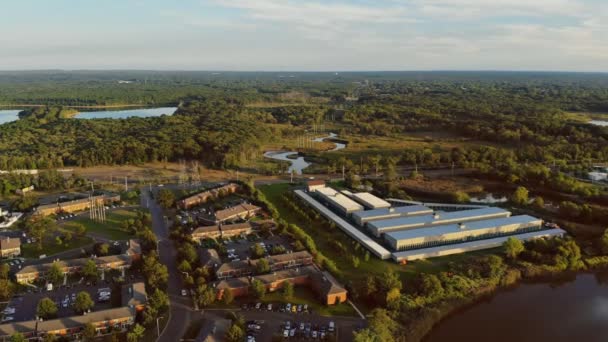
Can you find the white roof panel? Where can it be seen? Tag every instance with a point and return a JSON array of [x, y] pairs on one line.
[[371, 201], [427, 220]]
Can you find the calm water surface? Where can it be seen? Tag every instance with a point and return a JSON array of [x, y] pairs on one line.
[[9, 115], [599, 122], [575, 310], [127, 113], [298, 164]]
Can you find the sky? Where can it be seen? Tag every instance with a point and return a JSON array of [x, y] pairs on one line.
[[303, 35]]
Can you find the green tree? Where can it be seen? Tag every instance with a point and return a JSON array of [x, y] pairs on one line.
[[17, 337], [235, 333], [46, 308], [227, 297], [184, 266], [79, 229], [355, 260], [539, 202], [102, 249], [460, 197], [188, 252], [513, 247], [89, 270], [5, 289], [520, 196], [604, 242], [206, 295], [257, 251], [366, 335], [262, 266], [55, 273], [288, 290], [159, 300], [89, 332], [165, 198], [83, 302], [382, 324], [258, 288]]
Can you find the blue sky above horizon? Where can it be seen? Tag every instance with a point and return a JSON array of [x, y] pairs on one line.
[[302, 35]]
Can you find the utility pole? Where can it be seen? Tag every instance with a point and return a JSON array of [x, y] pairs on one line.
[[291, 181], [126, 187], [343, 177]]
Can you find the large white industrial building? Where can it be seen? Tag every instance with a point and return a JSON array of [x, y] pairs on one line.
[[415, 230], [438, 218], [362, 217], [457, 233], [339, 201]]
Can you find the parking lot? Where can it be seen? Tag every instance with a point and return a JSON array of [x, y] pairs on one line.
[[302, 326], [241, 248], [25, 304]]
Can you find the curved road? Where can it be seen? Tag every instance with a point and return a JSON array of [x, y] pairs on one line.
[[181, 311]]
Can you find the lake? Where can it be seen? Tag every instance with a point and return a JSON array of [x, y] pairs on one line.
[[573, 310], [12, 114], [126, 113], [9, 115]]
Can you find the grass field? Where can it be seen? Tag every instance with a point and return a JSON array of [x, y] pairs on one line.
[[50, 247], [374, 266], [110, 229]]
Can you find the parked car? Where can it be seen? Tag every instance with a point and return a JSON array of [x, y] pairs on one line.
[[184, 292], [258, 306], [269, 307], [332, 326]]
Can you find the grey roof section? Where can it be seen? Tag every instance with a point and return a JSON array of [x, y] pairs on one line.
[[407, 210], [370, 201], [468, 226], [444, 218], [349, 229], [433, 252], [339, 200], [441, 205]]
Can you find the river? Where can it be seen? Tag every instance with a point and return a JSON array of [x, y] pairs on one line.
[[599, 122], [574, 310], [13, 114], [298, 164]]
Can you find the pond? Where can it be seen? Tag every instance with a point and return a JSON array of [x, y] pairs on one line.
[[298, 164], [126, 113], [572, 310], [599, 122]]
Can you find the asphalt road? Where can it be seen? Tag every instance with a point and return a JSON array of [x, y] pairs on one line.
[[181, 311]]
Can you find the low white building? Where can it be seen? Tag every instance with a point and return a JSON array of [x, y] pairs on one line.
[[339, 201]]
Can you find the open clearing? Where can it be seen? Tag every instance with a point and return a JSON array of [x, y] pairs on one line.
[[110, 229]]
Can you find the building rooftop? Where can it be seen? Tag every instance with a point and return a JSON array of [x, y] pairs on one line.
[[9, 243], [236, 226], [235, 210], [232, 283], [234, 266], [431, 252], [76, 263], [348, 228], [206, 229], [209, 257], [340, 200], [286, 274], [370, 200], [315, 182], [427, 220], [80, 320], [134, 295], [455, 228], [9, 329], [407, 210]]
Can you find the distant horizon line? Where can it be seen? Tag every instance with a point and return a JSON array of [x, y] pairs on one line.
[[307, 71]]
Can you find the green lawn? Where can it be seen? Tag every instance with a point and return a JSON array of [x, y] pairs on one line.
[[110, 229], [50, 247], [348, 273]]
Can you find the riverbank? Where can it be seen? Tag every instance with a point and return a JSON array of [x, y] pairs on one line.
[[113, 106]]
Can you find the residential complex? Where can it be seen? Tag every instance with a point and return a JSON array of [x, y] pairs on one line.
[[221, 230], [239, 211], [207, 195], [324, 285], [278, 262], [75, 205]]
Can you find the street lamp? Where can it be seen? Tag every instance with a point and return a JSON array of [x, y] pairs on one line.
[[158, 326]]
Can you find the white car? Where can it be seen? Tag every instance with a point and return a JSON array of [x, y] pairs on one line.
[[8, 319], [184, 292], [286, 333]]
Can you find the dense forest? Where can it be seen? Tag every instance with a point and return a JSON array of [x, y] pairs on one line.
[[225, 118]]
